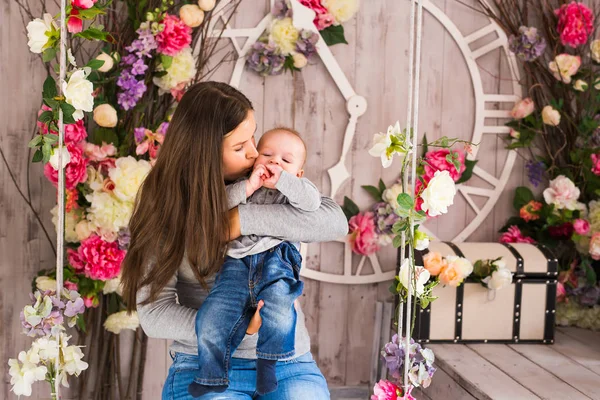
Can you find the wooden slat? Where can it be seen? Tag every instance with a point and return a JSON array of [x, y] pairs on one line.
[[477, 375], [582, 353], [527, 373], [589, 338], [443, 387], [562, 367]]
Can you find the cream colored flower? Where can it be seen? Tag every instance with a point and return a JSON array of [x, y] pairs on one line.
[[580, 85], [191, 15], [284, 35], [595, 49], [108, 62], [439, 194], [66, 157], [461, 264], [44, 283], [499, 279], [300, 60], [113, 286], [105, 116], [37, 33], [116, 322], [128, 175], [182, 69], [421, 275], [390, 195], [73, 360], [71, 220], [562, 193], [522, 108], [564, 67], [108, 213], [206, 5], [78, 93], [84, 229], [550, 116], [342, 10]]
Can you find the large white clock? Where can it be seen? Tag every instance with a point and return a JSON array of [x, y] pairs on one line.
[[488, 107]]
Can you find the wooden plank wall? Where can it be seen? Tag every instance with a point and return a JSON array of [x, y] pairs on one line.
[[340, 318]]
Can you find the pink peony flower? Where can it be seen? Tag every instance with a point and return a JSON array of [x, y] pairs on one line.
[[75, 260], [84, 4], [575, 23], [362, 234], [323, 18], [75, 172], [175, 36], [514, 235], [436, 161], [102, 259], [561, 292], [386, 390], [522, 108], [596, 164], [581, 226], [71, 285], [74, 133], [74, 23], [529, 212]]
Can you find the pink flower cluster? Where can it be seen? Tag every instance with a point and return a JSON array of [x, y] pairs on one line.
[[323, 19], [436, 161], [75, 172], [596, 164], [74, 133], [386, 390], [174, 37], [363, 237], [97, 259], [514, 235], [575, 23]]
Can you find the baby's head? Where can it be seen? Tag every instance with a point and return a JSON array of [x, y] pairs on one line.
[[284, 147]]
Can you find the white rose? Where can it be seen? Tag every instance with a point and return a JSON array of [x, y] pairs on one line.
[[580, 85], [550, 116], [66, 157], [113, 286], [595, 48], [499, 279], [108, 62], [106, 116], [128, 175], [563, 193], [78, 93], [462, 264], [341, 10], [500, 264], [300, 60], [564, 67], [36, 33], [116, 322], [206, 5], [390, 195], [44, 283], [422, 276], [191, 15], [439, 194]]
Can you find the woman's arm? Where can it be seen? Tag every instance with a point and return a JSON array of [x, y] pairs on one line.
[[286, 222], [164, 318]]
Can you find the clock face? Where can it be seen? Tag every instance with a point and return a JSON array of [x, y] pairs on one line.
[[488, 104]]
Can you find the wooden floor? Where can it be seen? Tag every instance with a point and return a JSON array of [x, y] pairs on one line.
[[567, 370]]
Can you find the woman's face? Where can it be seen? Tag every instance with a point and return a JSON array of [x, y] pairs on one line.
[[239, 149]]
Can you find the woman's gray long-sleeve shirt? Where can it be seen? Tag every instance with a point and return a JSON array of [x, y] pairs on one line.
[[173, 314]]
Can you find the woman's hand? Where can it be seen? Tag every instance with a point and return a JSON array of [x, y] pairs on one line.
[[235, 229], [256, 320]]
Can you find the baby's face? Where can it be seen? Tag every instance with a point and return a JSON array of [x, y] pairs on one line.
[[284, 149]]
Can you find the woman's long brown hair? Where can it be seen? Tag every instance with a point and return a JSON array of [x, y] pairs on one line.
[[181, 207]]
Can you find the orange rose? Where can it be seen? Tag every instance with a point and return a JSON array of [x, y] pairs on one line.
[[434, 263], [451, 275]]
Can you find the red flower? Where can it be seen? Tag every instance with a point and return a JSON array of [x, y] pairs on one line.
[[514, 235], [74, 24], [174, 37], [75, 172], [83, 4], [564, 231], [575, 23]]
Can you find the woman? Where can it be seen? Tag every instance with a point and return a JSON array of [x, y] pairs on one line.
[[179, 231]]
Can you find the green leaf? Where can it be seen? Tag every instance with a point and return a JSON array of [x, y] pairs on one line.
[[46, 152], [350, 208], [95, 64], [381, 186], [453, 158], [96, 34], [49, 90], [405, 202], [49, 54], [81, 322], [68, 111], [50, 138], [397, 242], [166, 61], [159, 74], [523, 195], [37, 156], [374, 192], [105, 135], [333, 35], [46, 116], [425, 145], [35, 142], [90, 13], [53, 104], [468, 173]]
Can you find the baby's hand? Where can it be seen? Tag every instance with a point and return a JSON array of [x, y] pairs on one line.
[[256, 179], [274, 171]]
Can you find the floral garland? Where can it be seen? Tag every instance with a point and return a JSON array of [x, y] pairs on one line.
[[105, 162], [282, 47]]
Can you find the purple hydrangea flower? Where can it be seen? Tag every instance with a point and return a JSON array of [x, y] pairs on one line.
[[529, 45], [124, 237], [589, 296], [385, 218], [306, 43], [535, 172], [265, 60], [281, 9], [421, 361], [138, 67]]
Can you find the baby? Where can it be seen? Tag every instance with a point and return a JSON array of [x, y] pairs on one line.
[[257, 268]]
